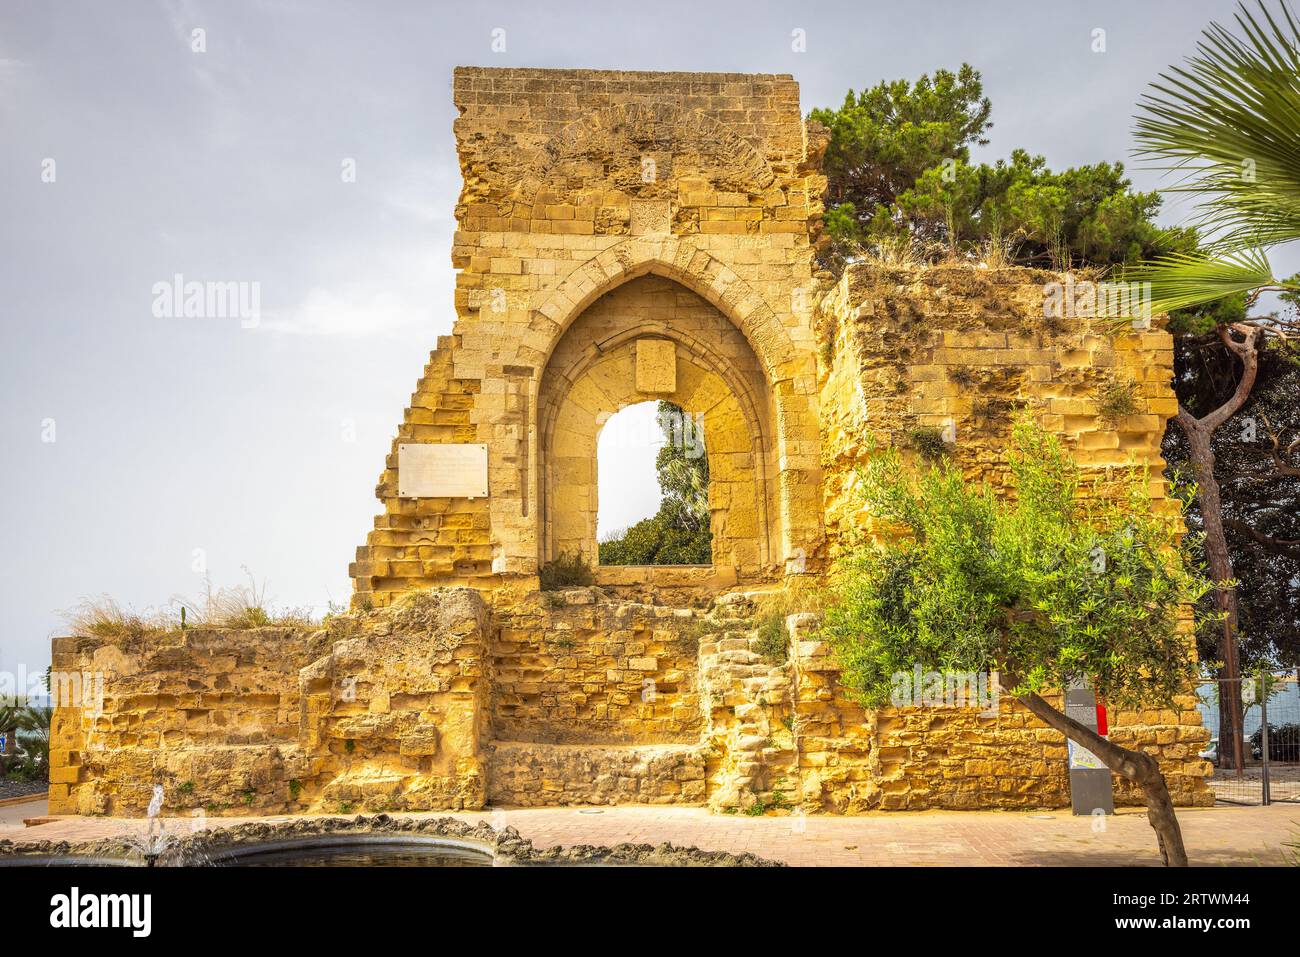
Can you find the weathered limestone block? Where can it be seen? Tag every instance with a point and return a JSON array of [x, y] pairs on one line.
[[529, 775], [656, 366], [594, 672]]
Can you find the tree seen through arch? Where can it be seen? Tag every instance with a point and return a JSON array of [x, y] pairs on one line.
[[679, 533]]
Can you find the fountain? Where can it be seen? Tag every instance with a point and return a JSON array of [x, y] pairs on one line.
[[364, 840], [154, 842]]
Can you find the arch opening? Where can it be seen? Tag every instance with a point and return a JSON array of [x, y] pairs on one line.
[[707, 368], [652, 474]]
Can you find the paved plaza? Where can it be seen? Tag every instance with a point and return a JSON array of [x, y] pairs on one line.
[[1238, 836]]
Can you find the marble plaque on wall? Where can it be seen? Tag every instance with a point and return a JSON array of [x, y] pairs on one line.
[[442, 471]]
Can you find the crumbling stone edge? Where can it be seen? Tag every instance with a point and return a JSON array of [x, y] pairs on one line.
[[507, 846]]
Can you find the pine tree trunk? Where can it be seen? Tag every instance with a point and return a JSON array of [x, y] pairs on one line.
[[1200, 438], [1219, 564]]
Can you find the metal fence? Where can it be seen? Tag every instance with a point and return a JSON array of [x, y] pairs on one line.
[[1269, 770]]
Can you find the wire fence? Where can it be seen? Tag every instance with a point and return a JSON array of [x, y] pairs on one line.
[[1266, 768]]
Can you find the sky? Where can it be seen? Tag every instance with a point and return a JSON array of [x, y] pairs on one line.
[[145, 451]]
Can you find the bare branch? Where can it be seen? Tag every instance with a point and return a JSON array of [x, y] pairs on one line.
[[1248, 353], [1280, 463], [1282, 546]]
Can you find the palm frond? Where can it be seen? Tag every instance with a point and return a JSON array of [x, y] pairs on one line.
[[1180, 280], [1229, 122]]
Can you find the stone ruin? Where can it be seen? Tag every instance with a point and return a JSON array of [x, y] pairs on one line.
[[623, 237]]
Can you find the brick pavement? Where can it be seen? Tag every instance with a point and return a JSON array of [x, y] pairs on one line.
[[1214, 836]]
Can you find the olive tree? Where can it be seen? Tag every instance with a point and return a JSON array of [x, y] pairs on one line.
[[1057, 581]]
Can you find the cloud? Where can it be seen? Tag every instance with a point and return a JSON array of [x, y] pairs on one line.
[[351, 314], [390, 288]]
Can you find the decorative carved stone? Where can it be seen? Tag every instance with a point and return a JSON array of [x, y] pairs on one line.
[[651, 217]]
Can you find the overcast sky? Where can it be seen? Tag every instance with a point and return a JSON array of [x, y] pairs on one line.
[[175, 440]]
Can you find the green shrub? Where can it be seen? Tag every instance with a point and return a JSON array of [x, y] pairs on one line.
[[1042, 585], [773, 642], [1117, 398], [928, 441]]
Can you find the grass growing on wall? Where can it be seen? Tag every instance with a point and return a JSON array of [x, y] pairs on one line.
[[566, 571]]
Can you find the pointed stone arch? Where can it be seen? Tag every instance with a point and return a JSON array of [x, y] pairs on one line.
[[741, 394], [696, 269], [788, 369]]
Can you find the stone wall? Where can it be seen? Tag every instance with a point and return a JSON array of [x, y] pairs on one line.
[[213, 712], [961, 350], [530, 775], [787, 735], [427, 539], [567, 697], [594, 671], [381, 711]]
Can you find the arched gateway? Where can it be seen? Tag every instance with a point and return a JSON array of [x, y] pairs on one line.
[[596, 219]]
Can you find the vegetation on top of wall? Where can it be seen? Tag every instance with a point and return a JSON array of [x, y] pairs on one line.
[[241, 606], [237, 606], [680, 532], [1042, 587], [104, 617], [566, 570]]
